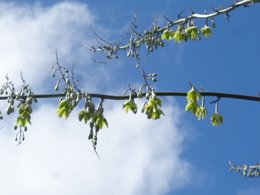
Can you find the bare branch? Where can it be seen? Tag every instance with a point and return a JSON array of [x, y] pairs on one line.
[[145, 37]]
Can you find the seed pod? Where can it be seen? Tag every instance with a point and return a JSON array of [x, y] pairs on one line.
[[79, 96], [73, 96], [90, 136], [129, 53], [154, 79], [67, 81], [9, 110], [139, 94], [15, 127], [29, 100], [56, 88], [147, 95]]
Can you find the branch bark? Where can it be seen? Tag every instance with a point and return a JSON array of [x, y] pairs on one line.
[[162, 94]]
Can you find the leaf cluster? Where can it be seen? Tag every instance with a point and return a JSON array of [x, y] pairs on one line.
[[182, 33], [200, 111], [94, 117], [152, 107], [246, 170]]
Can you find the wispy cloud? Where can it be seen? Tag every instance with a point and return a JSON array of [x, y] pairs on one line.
[[139, 156], [30, 34]]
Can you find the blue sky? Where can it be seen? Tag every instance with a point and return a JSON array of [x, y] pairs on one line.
[[176, 155]]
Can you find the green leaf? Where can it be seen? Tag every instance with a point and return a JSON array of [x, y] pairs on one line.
[[179, 36], [216, 119], [157, 114], [151, 108], [192, 32], [193, 95], [130, 105], [62, 103], [64, 109], [81, 115], [168, 35], [192, 107], [206, 31], [201, 112]]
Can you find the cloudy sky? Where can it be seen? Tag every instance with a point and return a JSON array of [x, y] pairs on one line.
[[174, 155]]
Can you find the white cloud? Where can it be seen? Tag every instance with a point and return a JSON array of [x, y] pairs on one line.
[[30, 34], [139, 156]]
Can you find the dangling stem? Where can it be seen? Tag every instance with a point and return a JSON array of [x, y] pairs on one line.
[[216, 107], [202, 102]]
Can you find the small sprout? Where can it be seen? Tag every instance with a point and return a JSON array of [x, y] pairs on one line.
[[15, 127], [193, 95], [29, 99], [139, 94], [192, 107], [179, 36], [130, 105], [154, 79], [152, 107], [56, 88], [84, 115], [167, 35], [10, 109], [206, 31], [216, 119], [147, 95], [64, 108], [201, 112], [192, 32]]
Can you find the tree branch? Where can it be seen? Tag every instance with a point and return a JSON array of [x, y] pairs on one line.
[[162, 94], [142, 38]]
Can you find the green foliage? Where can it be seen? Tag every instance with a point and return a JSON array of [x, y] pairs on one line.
[[184, 29], [95, 118], [193, 97], [192, 32], [188, 32], [206, 31], [168, 35], [24, 117], [70, 101], [64, 108], [130, 105], [192, 107], [216, 119], [152, 107], [201, 112]]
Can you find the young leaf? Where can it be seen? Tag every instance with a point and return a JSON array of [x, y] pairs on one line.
[[206, 31]]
